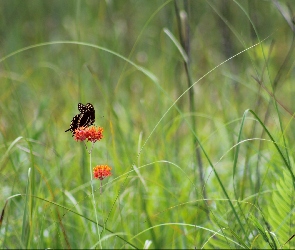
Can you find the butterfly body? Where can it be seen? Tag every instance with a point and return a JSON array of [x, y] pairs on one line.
[[85, 119]]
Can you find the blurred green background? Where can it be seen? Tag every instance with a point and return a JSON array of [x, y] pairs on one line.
[[171, 82]]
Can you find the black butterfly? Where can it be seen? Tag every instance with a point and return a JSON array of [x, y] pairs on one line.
[[85, 119]]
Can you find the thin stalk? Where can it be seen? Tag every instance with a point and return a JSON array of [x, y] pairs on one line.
[[93, 201], [184, 34]]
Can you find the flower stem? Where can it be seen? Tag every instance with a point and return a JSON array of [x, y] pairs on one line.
[[94, 202]]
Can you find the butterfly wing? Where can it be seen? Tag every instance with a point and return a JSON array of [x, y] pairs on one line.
[[82, 108], [74, 123], [85, 119], [90, 113]]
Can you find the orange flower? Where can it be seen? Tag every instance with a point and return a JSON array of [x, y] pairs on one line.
[[80, 134], [101, 171], [92, 134]]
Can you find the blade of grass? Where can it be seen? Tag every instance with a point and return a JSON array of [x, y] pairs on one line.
[[72, 211], [275, 144], [26, 215]]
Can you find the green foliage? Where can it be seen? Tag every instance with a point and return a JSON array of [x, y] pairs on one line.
[[196, 102], [281, 213]]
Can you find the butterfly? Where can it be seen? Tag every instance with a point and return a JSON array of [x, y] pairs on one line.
[[85, 119]]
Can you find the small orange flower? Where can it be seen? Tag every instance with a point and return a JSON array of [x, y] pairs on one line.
[[80, 134], [92, 134], [101, 171]]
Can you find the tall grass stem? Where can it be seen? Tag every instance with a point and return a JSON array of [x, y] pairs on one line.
[[93, 199]]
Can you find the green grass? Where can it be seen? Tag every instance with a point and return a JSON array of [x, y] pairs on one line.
[[196, 102]]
